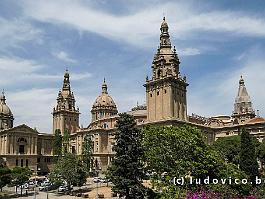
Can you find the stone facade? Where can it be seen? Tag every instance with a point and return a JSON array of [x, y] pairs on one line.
[[24, 146], [166, 104]]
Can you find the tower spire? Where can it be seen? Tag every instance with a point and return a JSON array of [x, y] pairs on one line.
[[243, 106], [104, 87], [3, 98], [66, 83], [164, 36]]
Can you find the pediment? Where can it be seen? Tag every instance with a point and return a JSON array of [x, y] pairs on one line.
[[23, 128]]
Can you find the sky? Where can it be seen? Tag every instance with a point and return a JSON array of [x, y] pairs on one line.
[[217, 42]]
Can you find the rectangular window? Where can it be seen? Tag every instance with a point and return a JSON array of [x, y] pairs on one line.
[[16, 162], [21, 149], [21, 163], [27, 162], [73, 149], [38, 160]]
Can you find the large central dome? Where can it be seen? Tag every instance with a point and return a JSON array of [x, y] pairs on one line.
[[104, 106]]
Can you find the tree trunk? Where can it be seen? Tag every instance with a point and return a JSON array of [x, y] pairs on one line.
[[16, 189], [21, 190]]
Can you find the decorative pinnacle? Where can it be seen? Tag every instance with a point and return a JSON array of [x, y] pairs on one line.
[[104, 87], [3, 98], [241, 81], [66, 74]]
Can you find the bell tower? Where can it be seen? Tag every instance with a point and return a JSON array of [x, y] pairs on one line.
[[65, 114], [166, 90]]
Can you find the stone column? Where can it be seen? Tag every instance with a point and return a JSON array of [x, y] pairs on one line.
[[1, 145], [108, 161], [99, 143], [36, 143], [15, 144], [11, 144], [32, 145], [7, 144], [28, 145], [42, 146]]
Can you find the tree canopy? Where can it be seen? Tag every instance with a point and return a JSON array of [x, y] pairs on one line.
[[87, 152], [70, 169], [126, 171], [181, 152], [20, 175], [5, 177], [248, 158], [229, 148], [57, 143]]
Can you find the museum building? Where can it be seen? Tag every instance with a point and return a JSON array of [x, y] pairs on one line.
[[166, 104]]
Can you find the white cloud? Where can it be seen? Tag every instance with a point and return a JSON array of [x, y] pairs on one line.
[[189, 51], [138, 28], [64, 57], [16, 70], [16, 31], [33, 107]]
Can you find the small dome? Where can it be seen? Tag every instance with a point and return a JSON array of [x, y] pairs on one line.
[[164, 23], [4, 109], [104, 100]]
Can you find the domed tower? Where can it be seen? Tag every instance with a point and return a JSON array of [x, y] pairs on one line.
[[6, 116], [65, 114], [104, 106], [166, 90]]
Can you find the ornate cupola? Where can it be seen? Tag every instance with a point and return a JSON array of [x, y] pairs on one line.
[[6, 116], [65, 113], [104, 106], [166, 90], [243, 109]]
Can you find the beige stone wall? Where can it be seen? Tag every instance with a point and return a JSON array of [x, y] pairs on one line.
[[65, 120], [35, 147], [166, 100]]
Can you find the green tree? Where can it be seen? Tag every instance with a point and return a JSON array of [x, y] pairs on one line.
[[248, 158], [261, 154], [20, 175], [66, 141], [87, 152], [70, 169], [182, 152], [229, 148], [126, 170], [57, 143], [5, 177]]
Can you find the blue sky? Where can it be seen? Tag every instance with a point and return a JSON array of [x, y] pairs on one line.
[[217, 41]]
